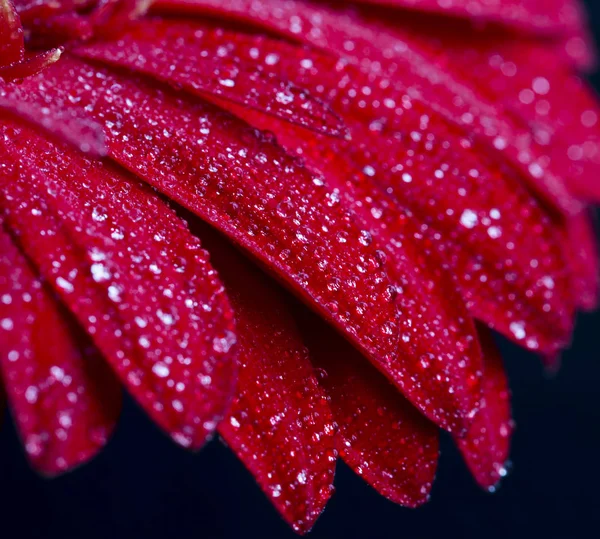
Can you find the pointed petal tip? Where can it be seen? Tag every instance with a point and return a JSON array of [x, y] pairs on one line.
[[552, 364], [192, 443], [486, 446], [302, 522], [302, 515], [52, 466], [412, 500], [492, 481], [43, 357]]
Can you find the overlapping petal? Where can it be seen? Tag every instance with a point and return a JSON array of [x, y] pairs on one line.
[[133, 276], [381, 435], [486, 446], [12, 47], [526, 81], [401, 64], [63, 397], [470, 208], [401, 175], [433, 325], [418, 289], [407, 266], [279, 424], [251, 190], [545, 16]]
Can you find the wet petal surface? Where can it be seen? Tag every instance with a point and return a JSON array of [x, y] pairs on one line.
[[245, 185], [64, 399], [486, 445], [531, 15], [279, 424], [133, 276], [471, 211], [436, 328], [204, 60], [381, 435], [387, 51], [11, 35], [544, 95]]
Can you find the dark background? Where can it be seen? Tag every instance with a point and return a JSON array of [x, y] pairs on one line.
[[143, 486]]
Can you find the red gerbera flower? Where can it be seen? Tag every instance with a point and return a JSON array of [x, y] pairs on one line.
[[402, 174]]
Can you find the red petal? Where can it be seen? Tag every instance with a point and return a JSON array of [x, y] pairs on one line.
[[64, 400], [30, 10], [381, 436], [203, 61], [472, 210], [268, 53], [448, 389], [428, 304], [61, 22], [395, 59], [582, 245], [486, 446], [2, 402], [527, 82], [118, 13], [546, 16], [449, 409], [65, 20], [578, 47], [279, 424], [133, 276], [533, 15], [71, 125], [12, 47], [60, 29], [243, 184]]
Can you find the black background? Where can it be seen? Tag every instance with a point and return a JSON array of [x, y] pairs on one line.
[[143, 486]]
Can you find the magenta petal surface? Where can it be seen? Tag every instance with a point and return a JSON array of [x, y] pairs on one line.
[[64, 399], [382, 437], [416, 172], [473, 207], [11, 35], [448, 391], [527, 82], [279, 424], [545, 16], [245, 185], [203, 60], [396, 60], [486, 446], [132, 274]]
